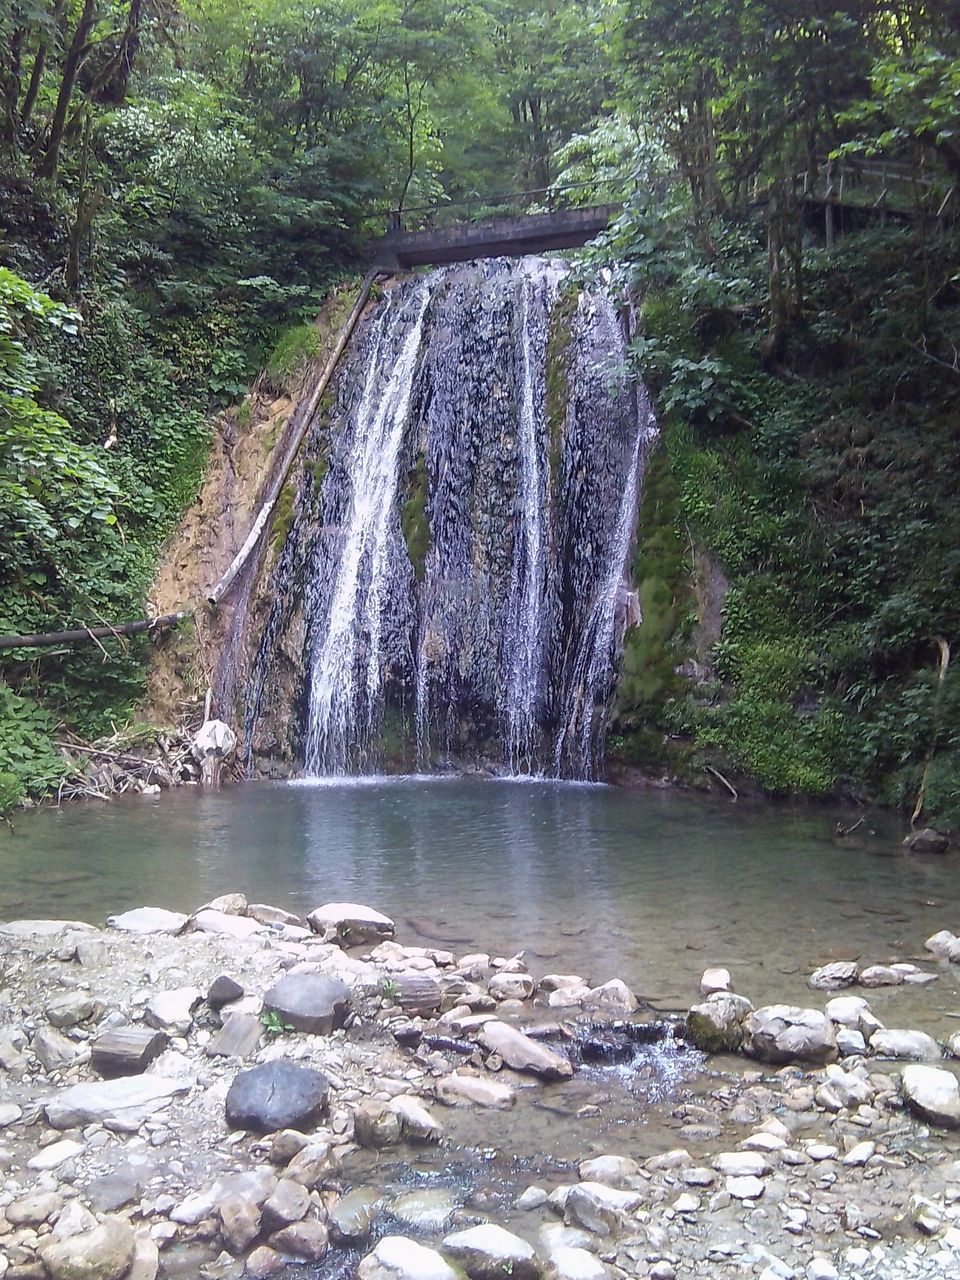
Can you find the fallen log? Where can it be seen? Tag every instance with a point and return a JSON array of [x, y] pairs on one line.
[[82, 635]]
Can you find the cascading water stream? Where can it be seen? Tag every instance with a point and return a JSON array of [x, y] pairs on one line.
[[339, 702], [454, 586]]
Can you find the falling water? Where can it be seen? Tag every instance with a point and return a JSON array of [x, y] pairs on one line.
[[454, 587]]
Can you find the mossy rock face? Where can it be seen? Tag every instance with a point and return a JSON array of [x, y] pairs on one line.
[[717, 1025], [557, 393], [413, 519]]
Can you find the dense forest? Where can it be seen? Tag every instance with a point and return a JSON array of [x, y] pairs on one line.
[[182, 182]]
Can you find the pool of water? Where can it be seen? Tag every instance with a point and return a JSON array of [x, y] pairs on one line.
[[651, 886]]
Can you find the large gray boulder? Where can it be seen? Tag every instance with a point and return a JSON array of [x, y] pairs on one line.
[[397, 1258], [122, 1105], [105, 1253], [276, 1095], [893, 1042], [933, 1093], [788, 1033], [149, 920], [716, 1024], [311, 1002], [522, 1053]]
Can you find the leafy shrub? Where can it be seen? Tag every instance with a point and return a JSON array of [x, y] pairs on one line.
[[290, 359]]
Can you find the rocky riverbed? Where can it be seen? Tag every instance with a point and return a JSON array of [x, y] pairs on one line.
[[239, 1091]]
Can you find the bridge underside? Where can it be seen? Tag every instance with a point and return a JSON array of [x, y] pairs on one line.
[[507, 237]]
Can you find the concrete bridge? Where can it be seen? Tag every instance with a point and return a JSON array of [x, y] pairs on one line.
[[508, 237]]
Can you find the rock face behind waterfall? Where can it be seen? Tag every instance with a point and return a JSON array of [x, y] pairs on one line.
[[452, 586]]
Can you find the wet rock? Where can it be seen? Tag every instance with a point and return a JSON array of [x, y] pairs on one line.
[[308, 1240], [598, 1208], [350, 923], [717, 1025], [263, 913], [172, 1011], [417, 1124], [854, 1012], [459, 1090], [523, 1054], [276, 1095], [714, 980], [830, 977], [105, 1253], [222, 990], [614, 998], [148, 920], [788, 1033], [511, 986], [311, 1002], [397, 1258], [70, 1010], [263, 1262], [289, 1203], [54, 1051], [239, 1223], [895, 1043], [376, 1125], [934, 1093], [209, 920], [429, 1209], [942, 943], [122, 1105], [351, 1217], [927, 841], [488, 1252]]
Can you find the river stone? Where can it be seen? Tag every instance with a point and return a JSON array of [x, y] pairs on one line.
[[308, 1240], [311, 1002], [427, 1209], [567, 1262], [882, 975], [511, 986], [598, 1208], [351, 1217], [56, 1154], [714, 980], [71, 1009], [42, 928], [842, 973], [276, 1095], [489, 1252], [10, 1113], [31, 1211], [172, 1011], [263, 1262], [614, 1171], [263, 913], [376, 1125], [311, 1164], [788, 1033], [927, 841], [853, 1012], [223, 990], [228, 904], [523, 1054], [54, 1050], [613, 998], [105, 1253], [741, 1164], [289, 1203], [416, 1121], [397, 1258], [941, 943], [350, 923], [459, 1090], [745, 1188], [209, 920], [894, 1043], [149, 920], [934, 1093], [716, 1025], [122, 1105], [239, 1223]]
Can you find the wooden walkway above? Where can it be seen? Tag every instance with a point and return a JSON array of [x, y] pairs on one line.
[[507, 237]]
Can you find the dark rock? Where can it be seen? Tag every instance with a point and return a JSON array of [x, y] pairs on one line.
[[126, 1051], [927, 841], [417, 994], [276, 1095], [311, 1002], [223, 990]]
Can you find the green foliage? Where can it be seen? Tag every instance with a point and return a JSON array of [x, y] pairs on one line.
[[274, 1025], [288, 362], [29, 764]]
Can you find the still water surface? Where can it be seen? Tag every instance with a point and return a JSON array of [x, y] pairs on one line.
[[647, 885]]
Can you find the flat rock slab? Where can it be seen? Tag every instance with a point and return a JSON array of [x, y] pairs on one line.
[[149, 920], [276, 1095], [126, 1051], [397, 1258], [210, 920], [311, 1002], [523, 1054], [489, 1252], [239, 1037], [42, 928], [350, 923], [122, 1105], [934, 1093]]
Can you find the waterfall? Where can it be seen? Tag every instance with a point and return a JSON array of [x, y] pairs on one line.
[[454, 586]]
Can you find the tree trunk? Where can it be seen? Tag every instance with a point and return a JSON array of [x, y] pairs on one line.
[[71, 67]]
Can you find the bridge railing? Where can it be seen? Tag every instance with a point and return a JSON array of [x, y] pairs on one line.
[[513, 203]]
